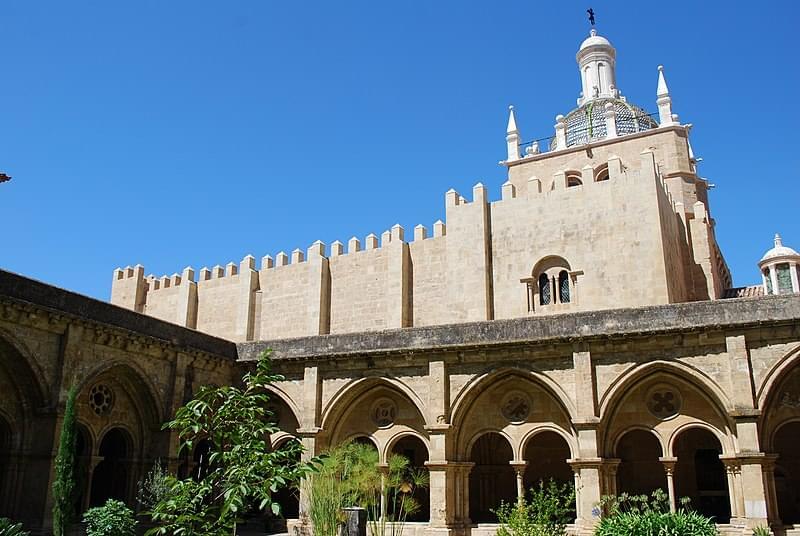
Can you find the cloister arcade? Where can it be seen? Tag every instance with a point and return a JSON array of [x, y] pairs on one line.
[[662, 426]]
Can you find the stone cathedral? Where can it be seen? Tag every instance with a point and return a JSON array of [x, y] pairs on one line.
[[576, 322]]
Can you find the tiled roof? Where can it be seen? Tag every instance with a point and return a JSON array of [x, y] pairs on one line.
[[753, 291]]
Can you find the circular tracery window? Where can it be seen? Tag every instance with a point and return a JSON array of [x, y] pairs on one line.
[[384, 412], [664, 401], [101, 399], [516, 407]]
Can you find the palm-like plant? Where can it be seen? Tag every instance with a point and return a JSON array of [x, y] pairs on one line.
[[9, 528]]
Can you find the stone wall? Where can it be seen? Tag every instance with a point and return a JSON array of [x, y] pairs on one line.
[[614, 212]]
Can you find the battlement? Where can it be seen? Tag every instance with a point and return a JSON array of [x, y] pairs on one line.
[[571, 205]]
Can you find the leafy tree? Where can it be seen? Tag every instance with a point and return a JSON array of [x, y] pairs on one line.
[[111, 519], [9, 528], [64, 483], [243, 472], [547, 511]]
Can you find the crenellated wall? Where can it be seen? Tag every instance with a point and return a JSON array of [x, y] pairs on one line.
[[627, 217]]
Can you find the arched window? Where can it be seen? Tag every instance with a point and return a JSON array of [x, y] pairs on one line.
[[554, 280], [784, 279], [573, 179], [544, 290], [601, 174], [768, 279], [563, 286]]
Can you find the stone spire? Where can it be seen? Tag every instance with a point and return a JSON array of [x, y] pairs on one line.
[[597, 62], [512, 136], [664, 101]]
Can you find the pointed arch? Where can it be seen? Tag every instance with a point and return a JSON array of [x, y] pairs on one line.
[[354, 389], [767, 391], [150, 406], [284, 397], [724, 441], [475, 387], [705, 385], [28, 375], [531, 436]]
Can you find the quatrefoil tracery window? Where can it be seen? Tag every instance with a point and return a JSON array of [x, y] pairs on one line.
[[664, 401]]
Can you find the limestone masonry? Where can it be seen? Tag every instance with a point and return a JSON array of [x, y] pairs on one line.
[[622, 222], [581, 328]]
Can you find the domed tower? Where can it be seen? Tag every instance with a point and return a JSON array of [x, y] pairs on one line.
[[779, 269], [602, 111], [613, 202]]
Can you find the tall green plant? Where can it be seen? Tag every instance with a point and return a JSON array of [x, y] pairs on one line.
[[350, 476], [64, 483], [243, 472], [396, 502], [546, 511], [154, 487]]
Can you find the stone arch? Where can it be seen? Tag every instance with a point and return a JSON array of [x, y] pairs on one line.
[[133, 374], [721, 437], [393, 440], [639, 451], [775, 377], [376, 408], [546, 454], [700, 474], [568, 439], [480, 405], [284, 397], [414, 447], [783, 443], [633, 375], [358, 387], [29, 377], [492, 479], [285, 412], [779, 401], [112, 477], [628, 402]]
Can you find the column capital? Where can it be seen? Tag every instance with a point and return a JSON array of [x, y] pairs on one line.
[[443, 465], [585, 463], [519, 466], [309, 432], [669, 463]]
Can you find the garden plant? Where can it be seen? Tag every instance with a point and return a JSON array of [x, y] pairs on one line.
[[644, 515], [546, 511], [111, 519], [243, 471]]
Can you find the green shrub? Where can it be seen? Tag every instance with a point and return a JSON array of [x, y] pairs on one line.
[[761, 531], [650, 516], [111, 519], [9, 528], [546, 511], [154, 487], [64, 484]]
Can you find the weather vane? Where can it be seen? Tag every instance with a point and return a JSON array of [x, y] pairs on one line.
[[590, 11]]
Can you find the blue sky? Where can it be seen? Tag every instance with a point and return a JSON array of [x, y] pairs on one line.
[[193, 133]]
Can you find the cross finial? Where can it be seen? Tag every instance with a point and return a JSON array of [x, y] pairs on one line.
[[590, 11]]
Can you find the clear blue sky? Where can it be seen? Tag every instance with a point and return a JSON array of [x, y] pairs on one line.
[[175, 133]]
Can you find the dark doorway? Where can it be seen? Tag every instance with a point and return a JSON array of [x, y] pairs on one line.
[[289, 496], [415, 451], [640, 472], [492, 479], [700, 475], [787, 472], [110, 480], [5, 451]]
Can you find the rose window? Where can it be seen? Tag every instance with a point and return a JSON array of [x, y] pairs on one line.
[[101, 399]]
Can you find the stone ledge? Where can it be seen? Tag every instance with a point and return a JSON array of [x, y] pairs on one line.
[[572, 327], [24, 290]]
